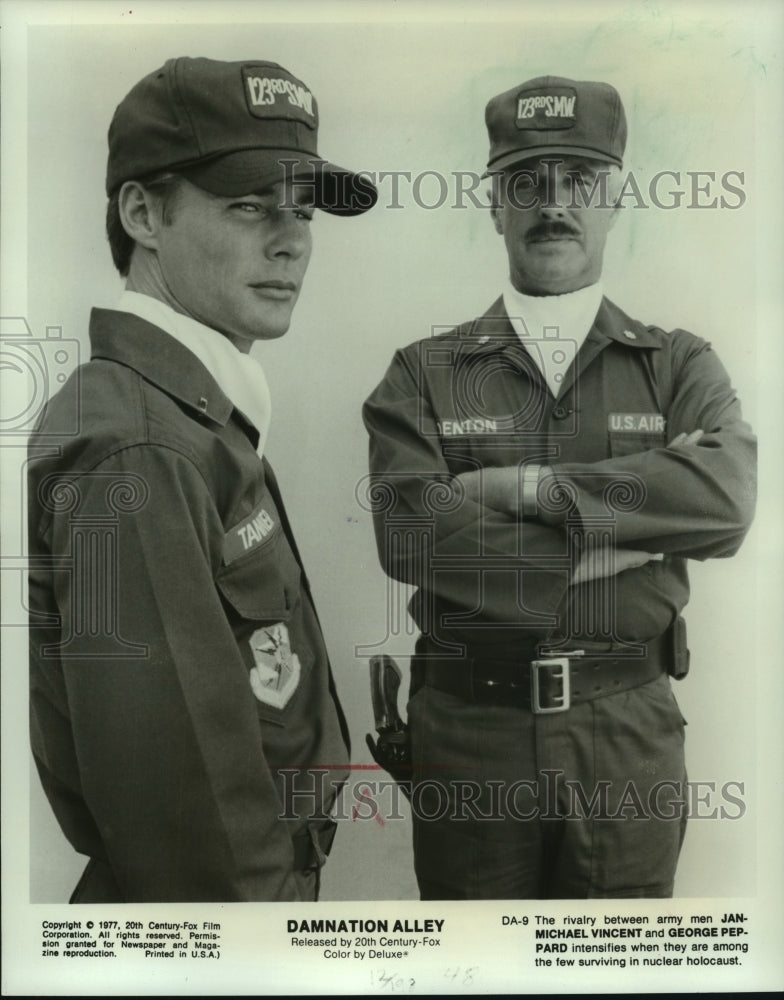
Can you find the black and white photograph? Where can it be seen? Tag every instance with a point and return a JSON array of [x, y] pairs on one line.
[[392, 552]]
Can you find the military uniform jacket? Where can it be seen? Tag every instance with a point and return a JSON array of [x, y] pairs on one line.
[[179, 677], [473, 398]]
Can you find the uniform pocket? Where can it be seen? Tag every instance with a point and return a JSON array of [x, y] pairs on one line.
[[630, 442], [660, 693], [264, 584], [262, 590]]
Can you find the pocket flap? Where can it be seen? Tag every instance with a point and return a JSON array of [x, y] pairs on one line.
[[631, 442], [264, 585]]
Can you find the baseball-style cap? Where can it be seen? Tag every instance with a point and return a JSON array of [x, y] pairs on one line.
[[231, 128], [551, 114]]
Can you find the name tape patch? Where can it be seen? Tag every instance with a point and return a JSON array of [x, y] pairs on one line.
[[636, 422], [277, 97], [550, 108], [248, 534], [477, 425]]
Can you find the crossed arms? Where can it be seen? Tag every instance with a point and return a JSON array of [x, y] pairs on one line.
[[697, 502]]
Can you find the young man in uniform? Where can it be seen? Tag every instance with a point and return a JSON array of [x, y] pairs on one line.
[[550, 467], [178, 672]]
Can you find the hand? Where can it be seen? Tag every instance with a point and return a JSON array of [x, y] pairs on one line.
[[472, 483], [602, 563], [500, 488], [684, 439], [497, 487], [400, 769]]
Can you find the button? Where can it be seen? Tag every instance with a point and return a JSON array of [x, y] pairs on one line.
[[630, 334], [203, 403], [560, 412]]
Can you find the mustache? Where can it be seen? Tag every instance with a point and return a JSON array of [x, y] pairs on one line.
[[547, 229]]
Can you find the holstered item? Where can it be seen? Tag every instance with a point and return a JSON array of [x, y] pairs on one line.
[[392, 749], [679, 660]]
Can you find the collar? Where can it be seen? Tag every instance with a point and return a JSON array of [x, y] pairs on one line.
[[493, 331], [239, 375], [160, 359], [553, 328], [571, 314], [612, 323]]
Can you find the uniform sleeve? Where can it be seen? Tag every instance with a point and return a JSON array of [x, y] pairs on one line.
[[697, 501], [168, 742], [428, 534]]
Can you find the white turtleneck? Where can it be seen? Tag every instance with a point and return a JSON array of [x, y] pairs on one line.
[[552, 328], [239, 376]]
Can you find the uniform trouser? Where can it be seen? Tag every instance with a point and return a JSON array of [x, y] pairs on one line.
[[97, 884], [590, 802]]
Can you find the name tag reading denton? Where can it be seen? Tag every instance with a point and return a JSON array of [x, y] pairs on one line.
[[636, 422], [247, 535]]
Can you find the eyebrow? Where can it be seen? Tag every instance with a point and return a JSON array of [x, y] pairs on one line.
[[266, 192], [270, 193]]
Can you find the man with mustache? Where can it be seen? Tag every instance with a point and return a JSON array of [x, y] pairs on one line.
[[179, 678], [547, 470]]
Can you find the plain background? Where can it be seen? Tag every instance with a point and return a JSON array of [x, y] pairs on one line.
[[411, 97]]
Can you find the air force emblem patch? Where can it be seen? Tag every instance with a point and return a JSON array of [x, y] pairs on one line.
[[276, 673]]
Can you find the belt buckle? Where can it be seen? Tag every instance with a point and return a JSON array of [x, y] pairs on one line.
[[558, 668]]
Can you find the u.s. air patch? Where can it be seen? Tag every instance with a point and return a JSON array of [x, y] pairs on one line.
[[637, 423], [276, 673]]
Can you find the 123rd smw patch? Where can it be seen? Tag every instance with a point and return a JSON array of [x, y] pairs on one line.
[[276, 673]]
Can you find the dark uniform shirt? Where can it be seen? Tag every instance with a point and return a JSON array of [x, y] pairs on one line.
[[177, 665], [473, 398]]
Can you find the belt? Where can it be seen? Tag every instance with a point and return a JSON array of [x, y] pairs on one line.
[[312, 845], [544, 685]]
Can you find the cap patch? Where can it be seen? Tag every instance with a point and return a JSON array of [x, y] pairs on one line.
[[277, 97], [546, 108]]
